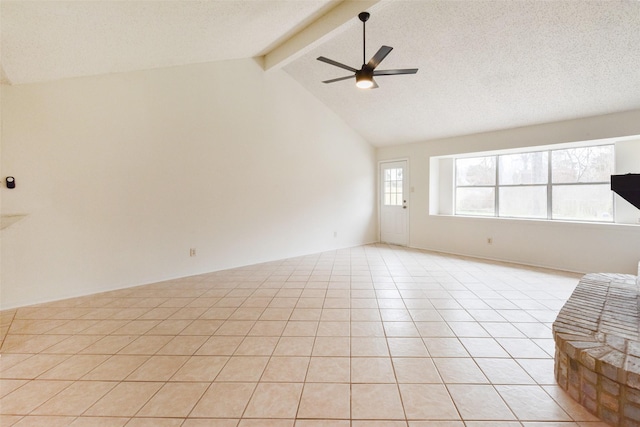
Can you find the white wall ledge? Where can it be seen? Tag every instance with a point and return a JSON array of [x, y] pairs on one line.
[[10, 219], [541, 222]]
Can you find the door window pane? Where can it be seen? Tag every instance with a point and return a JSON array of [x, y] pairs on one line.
[[582, 202], [393, 187], [476, 171], [523, 202], [584, 164], [475, 201], [524, 168]]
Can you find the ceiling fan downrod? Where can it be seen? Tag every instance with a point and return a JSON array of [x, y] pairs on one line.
[[364, 17]]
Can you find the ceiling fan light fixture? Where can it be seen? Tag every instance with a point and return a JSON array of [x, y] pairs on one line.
[[364, 79], [364, 82]]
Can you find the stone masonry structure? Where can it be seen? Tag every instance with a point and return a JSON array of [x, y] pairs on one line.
[[597, 336]]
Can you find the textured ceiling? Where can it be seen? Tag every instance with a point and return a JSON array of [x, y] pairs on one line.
[[50, 40], [484, 65]]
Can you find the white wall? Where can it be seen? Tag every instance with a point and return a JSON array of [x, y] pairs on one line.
[[577, 247], [120, 175]]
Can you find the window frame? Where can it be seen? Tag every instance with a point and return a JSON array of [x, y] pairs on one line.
[[549, 185]]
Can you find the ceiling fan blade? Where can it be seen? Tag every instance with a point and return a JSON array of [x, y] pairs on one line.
[[395, 72], [338, 79], [379, 56], [337, 64]]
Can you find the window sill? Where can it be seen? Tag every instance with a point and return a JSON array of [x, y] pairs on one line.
[[540, 222]]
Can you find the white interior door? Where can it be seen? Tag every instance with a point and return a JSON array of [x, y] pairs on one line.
[[394, 224]]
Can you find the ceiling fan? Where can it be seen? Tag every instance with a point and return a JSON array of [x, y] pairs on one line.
[[364, 76]]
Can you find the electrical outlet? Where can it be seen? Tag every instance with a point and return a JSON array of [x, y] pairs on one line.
[[335, 234], [192, 252], [489, 240]]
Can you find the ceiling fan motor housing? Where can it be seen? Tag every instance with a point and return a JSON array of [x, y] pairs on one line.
[[365, 72]]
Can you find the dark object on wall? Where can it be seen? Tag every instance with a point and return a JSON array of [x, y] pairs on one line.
[[628, 187], [11, 182]]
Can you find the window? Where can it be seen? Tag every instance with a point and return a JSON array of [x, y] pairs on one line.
[[566, 184], [581, 183], [476, 180], [523, 185]]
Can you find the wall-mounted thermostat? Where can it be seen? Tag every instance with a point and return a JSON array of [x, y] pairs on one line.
[[11, 182]]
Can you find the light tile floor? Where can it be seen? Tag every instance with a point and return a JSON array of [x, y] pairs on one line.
[[364, 337]]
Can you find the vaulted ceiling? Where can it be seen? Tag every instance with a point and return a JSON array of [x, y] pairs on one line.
[[483, 65]]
